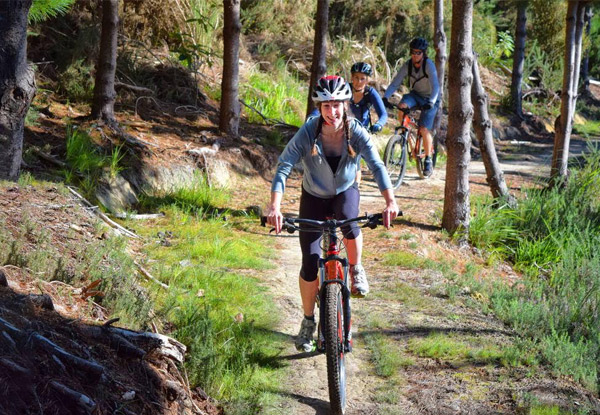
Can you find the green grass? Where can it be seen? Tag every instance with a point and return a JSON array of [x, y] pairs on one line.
[[222, 314], [552, 236], [277, 95], [88, 163], [386, 357], [590, 129], [408, 260], [475, 350], [198, 198]]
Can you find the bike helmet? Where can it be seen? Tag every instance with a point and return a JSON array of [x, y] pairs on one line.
[[362, 67], [331, 88], [419, 43]]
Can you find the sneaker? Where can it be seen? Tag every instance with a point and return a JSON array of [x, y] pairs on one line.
[[304, 341], [360, 285], [428, 167]]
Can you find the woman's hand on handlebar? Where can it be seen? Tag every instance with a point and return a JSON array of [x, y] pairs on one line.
[[391, 208], [275, 218], [389, 213]]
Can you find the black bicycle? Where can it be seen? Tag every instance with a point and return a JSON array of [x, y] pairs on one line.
[[334, 329], [406, 144]]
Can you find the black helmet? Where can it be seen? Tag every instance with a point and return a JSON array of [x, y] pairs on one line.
[[331, 88], [362, 67], [419, 43]]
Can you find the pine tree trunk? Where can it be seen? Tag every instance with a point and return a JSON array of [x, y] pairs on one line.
[[519, 57], [103, 105], [483, 129], [319, 64], [456, 214], [229, 121], [585, 74], [439, 39], [17, 84], [572, 61]]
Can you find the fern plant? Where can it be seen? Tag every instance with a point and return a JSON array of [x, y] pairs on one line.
[[45, 9]]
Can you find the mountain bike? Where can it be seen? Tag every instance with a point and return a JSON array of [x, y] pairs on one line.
[[406, 143], [333, 299]]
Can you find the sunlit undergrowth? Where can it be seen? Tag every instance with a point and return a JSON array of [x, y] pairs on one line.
[[553, 237], [276, 94], [221, 313]]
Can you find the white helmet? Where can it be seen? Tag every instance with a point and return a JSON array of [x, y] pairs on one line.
[[332, 88]]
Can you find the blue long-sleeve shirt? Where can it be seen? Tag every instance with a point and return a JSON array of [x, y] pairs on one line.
[[425, 86], [362, 110], [319, 179]]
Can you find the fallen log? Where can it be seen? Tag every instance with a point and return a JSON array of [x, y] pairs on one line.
[[134, 88], [139, 216], [78, 399], [90, 368], [120, 344], [105, 218], [154, 343]]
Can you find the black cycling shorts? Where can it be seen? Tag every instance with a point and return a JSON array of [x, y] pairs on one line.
[[341, 206]]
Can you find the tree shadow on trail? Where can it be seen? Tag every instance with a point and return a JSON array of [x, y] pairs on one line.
[[320, 406], [418, 225]]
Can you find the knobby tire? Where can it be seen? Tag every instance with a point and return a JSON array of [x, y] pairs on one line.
[[395, 159], [334, 343], [420, 161]]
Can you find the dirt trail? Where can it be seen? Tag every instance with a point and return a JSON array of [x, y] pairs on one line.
[[408, 304]]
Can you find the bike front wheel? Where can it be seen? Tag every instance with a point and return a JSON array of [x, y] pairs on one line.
[[334, 344], [420, 157], [395, 159]]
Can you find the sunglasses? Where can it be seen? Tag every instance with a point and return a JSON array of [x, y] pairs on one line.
[[416, 52]]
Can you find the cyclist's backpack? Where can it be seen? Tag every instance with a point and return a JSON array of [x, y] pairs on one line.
[[410, 67]]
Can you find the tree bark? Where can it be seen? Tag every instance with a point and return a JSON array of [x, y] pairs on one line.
[[17, 84], [319, 63], [483, 129], [103, 105], [519, 57], [229, 121], [585, 74], [572, 61], [439, 39], [456, 214]]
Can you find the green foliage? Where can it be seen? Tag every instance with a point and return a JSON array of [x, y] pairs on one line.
[[548, 27], [76, 82], [594, 45], [224, 317], [503, 49], [385, 355], [278, 95], [281, 18], [197, 198], [45, 9], [88, 162], [553, 236]]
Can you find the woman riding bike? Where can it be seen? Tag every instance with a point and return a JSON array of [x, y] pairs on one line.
[[330, 147], [424, 92]]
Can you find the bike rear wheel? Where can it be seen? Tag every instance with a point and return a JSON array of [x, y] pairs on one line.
[[334, 344], [395, 159]]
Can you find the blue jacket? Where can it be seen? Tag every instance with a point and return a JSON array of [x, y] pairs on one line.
[[318, 179], [362, 110]]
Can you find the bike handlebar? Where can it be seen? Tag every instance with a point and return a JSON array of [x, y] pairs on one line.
[[291, 224]]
